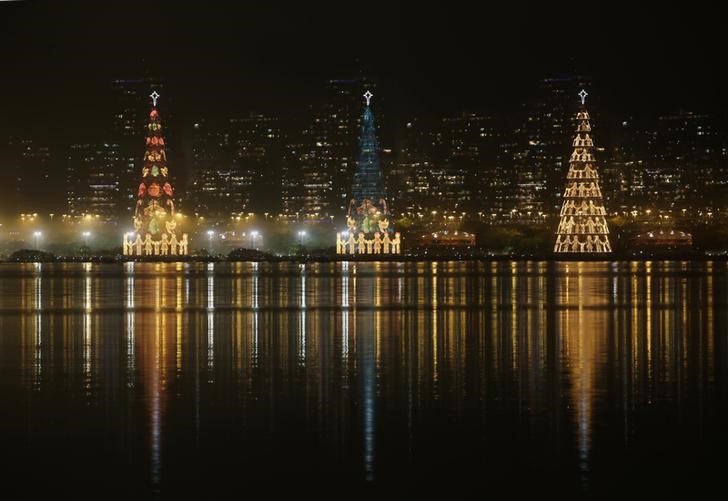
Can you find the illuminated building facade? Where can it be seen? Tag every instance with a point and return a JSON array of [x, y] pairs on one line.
[[209, 193], [28, 170], [256, 145], [93, 181], [292, 187], [408, 178], [472, 173], [687, 165]]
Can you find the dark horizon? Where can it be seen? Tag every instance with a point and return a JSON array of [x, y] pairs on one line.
[[226, 60]]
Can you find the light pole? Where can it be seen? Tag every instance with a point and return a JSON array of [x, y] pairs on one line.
[[301, 235], [36, 237], [254, 237], [86, 235]]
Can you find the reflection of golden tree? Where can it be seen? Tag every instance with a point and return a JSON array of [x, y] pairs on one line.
[[584, 334], [156, 337]]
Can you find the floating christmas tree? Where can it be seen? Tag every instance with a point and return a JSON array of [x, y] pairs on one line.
[[367, 218], [367, 206], [154, 212], [583, 227]]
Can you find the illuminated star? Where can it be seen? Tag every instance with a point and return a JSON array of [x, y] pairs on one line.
[[154, 95], [368, 96], [583, 95]]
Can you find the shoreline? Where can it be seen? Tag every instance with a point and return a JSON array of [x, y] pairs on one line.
[[401, 258]]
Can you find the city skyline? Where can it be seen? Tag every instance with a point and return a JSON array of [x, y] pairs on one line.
[[272, 59], [460, 145], [381, 248], [493, 157]]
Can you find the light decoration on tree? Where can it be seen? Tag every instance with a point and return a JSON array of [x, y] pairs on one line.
[[367, 218], [583, 227], [155, 228], [583, 95]]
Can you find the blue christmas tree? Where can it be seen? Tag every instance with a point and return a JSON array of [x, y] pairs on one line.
[[368, 211]]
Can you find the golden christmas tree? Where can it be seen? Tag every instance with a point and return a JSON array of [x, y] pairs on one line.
[[583, 227]]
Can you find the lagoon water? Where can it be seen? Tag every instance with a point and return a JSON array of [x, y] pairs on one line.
[[142, 380]]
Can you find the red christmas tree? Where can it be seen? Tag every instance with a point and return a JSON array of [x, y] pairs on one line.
[[154, 212]]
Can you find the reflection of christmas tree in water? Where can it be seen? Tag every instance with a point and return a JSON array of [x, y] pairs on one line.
[[583, 227], [154, 213], [367, 218]]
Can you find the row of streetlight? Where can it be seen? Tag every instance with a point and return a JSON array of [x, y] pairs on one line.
[[37, 235], [254, 235]]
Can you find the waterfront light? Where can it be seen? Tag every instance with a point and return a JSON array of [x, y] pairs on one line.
[[36, 237], [254, 237]]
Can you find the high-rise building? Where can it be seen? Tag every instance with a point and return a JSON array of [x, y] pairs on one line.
[[209, 192], [686, 167], [473, 171], [237, 167], [542, 161], [327, 163], [408, 179], [293, 194], [623, 170], [29, 172], [256, 146], [92, 181]]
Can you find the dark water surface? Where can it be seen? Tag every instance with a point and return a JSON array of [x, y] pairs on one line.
[[162, 380]]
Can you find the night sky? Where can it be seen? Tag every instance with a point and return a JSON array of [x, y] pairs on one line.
[[223, 59]]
